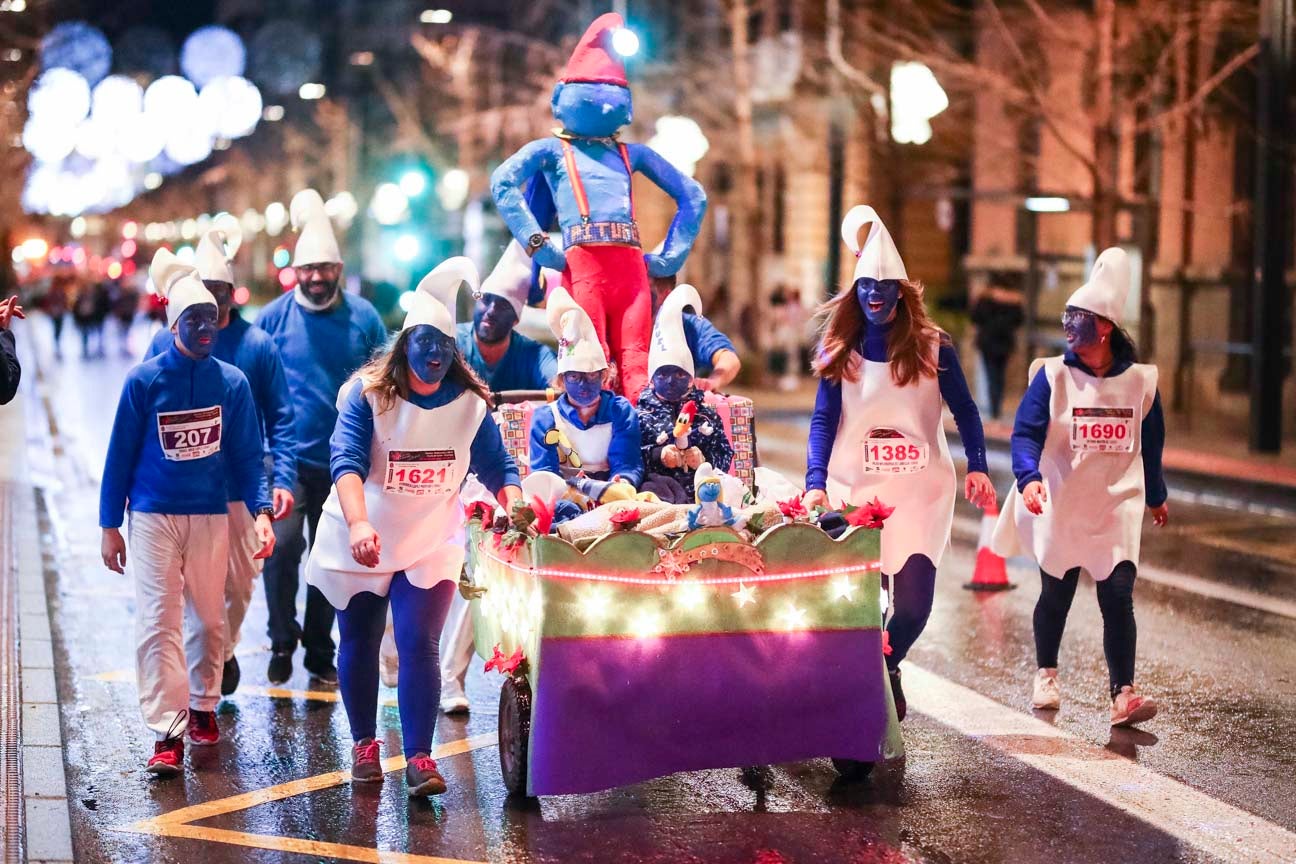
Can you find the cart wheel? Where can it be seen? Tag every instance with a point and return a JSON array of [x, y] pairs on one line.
[[514, 733], [853, 770]]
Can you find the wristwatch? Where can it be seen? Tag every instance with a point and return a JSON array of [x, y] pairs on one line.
[[265, 511], [535, 241]]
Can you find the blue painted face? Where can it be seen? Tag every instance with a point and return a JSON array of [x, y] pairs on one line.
[[878, 298], [493, 319], [223, 292], [583, 388], [1080, 326], [429, 353], [196, 328], [671, 383], [709, 491], [594, 110]]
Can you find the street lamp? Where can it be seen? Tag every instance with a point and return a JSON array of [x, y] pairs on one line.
[[625, 42]]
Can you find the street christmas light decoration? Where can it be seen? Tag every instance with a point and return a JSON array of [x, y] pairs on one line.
[[625, 42], [60, 97], [145, 50], [283, 55], [48, 140], [680, 141], [406, 248], [413, 183], [212, 52], [79, 47], [916, 97], [276, 217], [452, 189], [389, 206], [342, 208], [116, 101], [232, 105]]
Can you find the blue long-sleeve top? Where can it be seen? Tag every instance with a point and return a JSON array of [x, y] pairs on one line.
[[352, 438], [136, 468], [526, 364], [252, 351], [625, 459], [320, 351], [704, 342], [607, 187], [1032, 422], [953, 389]]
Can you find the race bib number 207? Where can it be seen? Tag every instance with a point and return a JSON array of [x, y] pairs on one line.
[[1102, 430], [187, 435]]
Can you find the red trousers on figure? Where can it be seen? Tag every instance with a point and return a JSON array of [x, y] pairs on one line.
[[610, 282]]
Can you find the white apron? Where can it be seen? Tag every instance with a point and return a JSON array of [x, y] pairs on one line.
[[891, 444], [418, 461], [1093, 472], [590, 444]]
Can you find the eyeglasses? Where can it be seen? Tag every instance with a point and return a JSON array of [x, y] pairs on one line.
[[1072, 317], [325, 268]]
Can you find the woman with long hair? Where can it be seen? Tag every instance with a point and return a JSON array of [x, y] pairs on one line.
[[412, 423], [884, 369], [1086, 454]]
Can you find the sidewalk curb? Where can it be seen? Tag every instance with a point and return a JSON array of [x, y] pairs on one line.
[[45, 817]]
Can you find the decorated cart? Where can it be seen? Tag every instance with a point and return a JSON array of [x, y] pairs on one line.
[[631, 656]]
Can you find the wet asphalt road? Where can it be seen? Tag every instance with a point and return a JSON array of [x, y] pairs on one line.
[[996, 785]]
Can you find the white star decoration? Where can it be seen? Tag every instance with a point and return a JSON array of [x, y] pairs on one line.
[[744, 595], [843, 588]]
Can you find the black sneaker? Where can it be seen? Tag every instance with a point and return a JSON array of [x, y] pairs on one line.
[[280, 669], [323, 673], [230, 676], [897, 693]]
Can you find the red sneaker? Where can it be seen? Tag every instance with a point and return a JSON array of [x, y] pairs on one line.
[[422, 776], [203, 730], [167, 759], [366, 766]]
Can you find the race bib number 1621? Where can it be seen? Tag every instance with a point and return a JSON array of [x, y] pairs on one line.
[[187, 435]]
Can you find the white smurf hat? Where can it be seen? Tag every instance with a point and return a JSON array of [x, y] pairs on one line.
[[578, 343], [315, 241], [877, 258], [511, 278], [434, 300], [216, 249], [1108, 286], [177, 284], [668, 346]]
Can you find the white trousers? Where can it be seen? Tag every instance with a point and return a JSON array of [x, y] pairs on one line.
[[179, 564], [242, 573], [455, 648]]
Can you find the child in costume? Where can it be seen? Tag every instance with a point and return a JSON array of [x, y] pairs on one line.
[[1086, 452], [588, 435], [582, 176], [253, 352], [411, 424], [876, 432], [678, 430], [186, 428]]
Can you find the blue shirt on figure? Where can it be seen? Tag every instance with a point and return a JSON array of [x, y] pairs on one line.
[[625, 458], [252, 351], [526, 364], [704, 340], [352, 439], [137, 467], [320, 351]]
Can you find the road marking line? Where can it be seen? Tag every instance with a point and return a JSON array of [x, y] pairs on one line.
[[967, 527], [1177, 809], [127, 676], [177, 823]]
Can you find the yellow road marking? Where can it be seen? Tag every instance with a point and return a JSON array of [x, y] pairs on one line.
[[177, 823], [127, 676]]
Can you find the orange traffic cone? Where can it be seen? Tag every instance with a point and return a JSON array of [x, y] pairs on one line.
[[990, 573]]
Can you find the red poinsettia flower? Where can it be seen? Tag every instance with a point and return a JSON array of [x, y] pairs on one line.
[[505, 665], [793, 508], [886, 643], [479, 510], [871, 515], [497, 658], [625, 519], [544, 515]]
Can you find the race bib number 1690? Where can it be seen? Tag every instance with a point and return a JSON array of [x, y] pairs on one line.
[[1102, 430], [187, 435]]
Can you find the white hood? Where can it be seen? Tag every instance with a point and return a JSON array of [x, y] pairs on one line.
[[216, 249], [877, 258], [434, 300], [669, 347], [178, 284], [316, 243], [511, 278], [1108, 287], [579, 349]]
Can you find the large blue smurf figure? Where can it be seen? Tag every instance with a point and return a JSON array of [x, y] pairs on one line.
[[582, 178]]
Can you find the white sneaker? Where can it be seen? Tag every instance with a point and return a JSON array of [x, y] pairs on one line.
[[453, 699], [389, 669], [1046, 696], [1129, 708]]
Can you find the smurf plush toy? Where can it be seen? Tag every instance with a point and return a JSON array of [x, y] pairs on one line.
[[581, 178], [710, 511]]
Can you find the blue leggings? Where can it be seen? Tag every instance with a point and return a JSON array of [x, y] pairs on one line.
[[418, 614], [911, 599]]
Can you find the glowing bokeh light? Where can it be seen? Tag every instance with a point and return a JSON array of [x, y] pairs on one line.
[[212, 52], [406, 248], [231, 105], [406, 300], [59, 96], [77, 46], [625, 42], [282, 256], [389, 205], [114, 270], [116, 99], [287, 278], [452, 189], [242, 295], [276, 217], [413, 183], [49, 141]]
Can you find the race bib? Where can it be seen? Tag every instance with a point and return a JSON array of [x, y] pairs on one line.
[[886, 451], [187, 435], [420, 472], [1102, 430]]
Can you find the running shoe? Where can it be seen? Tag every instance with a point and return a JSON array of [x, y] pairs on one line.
[[389, 669], [167, 759], [453, 699], [230, 676], [323, 673], [203, 730], [1046, 695], [366, 766], [422, 776], [280, 669], [1128, 708]]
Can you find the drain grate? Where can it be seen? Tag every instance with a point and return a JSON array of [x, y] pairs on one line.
[[11, 806]]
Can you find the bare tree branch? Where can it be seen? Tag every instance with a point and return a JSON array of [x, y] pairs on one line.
[[1207, 87]]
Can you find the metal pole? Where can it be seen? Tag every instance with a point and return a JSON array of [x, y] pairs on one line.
[[1272, 226]]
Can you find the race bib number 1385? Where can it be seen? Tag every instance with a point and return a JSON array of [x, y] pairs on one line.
[[187, 435]]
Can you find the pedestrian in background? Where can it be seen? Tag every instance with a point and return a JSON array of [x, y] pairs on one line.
[[997, 314], [791, 335], [1086, 452], [88, 313], [55, 305], [10, 371]]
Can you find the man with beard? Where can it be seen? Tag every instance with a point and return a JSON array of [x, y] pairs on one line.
[[253, 353], [506, 360], [323, 336]]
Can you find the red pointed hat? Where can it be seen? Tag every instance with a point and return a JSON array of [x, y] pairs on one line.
[[593, 61]]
